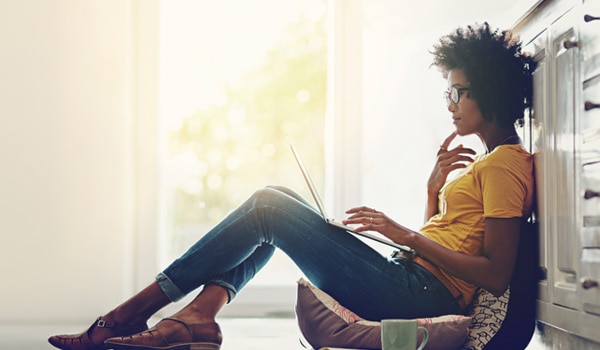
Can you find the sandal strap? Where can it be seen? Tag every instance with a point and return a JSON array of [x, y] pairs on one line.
[[209, 333], [180, 322], [105, 324], [108, 324]]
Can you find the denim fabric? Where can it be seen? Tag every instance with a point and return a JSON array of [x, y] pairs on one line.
[[360, 278]]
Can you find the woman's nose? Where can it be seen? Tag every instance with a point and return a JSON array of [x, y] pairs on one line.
[[451, 106]]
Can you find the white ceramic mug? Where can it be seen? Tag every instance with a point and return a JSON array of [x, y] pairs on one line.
[[402, 335]]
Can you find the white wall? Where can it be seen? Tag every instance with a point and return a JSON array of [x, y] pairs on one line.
[[72, 148], [386, 114]]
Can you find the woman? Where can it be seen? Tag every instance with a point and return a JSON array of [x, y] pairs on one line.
[[469, 240]]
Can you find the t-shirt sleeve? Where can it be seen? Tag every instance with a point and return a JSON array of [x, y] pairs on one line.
[[503, 192]]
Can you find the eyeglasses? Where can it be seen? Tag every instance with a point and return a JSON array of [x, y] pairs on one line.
[[453, 95]]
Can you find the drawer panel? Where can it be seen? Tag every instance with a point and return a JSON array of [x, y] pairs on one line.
[[590, 56], [590, 117], [591, 221], [589, 282], [591, 263], [590, 185], [590, 237], [592, 8], [589, 154], [590, 38]]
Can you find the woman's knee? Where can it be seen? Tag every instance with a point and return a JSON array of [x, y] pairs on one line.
[[278, 196], [282, 189], [268, 195], [289, 192]]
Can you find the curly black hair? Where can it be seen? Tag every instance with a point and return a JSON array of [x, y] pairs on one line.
[[499, 74]]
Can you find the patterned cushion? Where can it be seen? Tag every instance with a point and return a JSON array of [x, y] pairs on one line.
[[487, 314]]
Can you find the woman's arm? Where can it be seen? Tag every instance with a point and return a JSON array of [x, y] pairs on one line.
[[491, 271]]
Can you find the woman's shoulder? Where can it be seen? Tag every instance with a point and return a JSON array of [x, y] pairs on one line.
[[510, 157], [508, 153]]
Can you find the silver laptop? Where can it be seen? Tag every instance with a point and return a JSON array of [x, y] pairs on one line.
[[330, 220]]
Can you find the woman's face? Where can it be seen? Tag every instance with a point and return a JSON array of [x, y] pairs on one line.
[[466, 113]]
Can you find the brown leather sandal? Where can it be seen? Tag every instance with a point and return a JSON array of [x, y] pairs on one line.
[[205, 336], [83, 341]]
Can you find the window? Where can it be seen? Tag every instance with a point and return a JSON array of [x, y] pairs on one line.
[[239, 82]]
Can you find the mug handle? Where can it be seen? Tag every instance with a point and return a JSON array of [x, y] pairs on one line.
[[425, 337]]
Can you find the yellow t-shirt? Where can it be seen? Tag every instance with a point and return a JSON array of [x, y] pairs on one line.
[[496, 185]]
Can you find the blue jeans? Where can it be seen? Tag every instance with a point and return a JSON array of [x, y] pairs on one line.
[[357, 276]]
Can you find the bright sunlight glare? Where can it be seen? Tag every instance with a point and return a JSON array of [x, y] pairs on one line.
[[235, 36]]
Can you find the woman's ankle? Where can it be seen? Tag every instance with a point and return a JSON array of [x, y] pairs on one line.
[[123, 318], [140, 307], [193, 317]]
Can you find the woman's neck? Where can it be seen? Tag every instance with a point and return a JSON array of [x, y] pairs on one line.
[[509, 137]]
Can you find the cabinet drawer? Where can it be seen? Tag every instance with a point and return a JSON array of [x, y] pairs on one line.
[[591, 8], [590, 56], [590, 184], [590, 237], [591, 221], [590, 280], [590, 117], [589, 158], [591, 263], [589, 38]]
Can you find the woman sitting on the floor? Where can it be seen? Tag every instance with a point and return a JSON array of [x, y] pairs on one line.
[[468, 241]]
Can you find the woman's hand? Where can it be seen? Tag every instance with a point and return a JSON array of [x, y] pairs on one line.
[[370, 219], [447, 161]]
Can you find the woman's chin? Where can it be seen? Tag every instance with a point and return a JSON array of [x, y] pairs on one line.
[[461, 132]]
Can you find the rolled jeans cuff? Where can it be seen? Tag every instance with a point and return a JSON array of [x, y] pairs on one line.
[[231, 290], [169, 288]]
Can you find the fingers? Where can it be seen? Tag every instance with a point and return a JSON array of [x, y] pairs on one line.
[[448, 161], [459, 151], [455, 166], [448, 140], [365, 216], [453, 162], [452, 157], [359, 209], [444, 147]]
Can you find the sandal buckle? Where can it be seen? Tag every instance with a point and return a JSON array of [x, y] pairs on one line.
[[104, 324]]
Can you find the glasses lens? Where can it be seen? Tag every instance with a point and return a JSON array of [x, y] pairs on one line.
[[454, 94]]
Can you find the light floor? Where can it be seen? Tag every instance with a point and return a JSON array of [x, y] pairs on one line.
[[239, 334]]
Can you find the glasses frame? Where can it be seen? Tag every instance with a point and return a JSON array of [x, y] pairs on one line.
[[454, 94]]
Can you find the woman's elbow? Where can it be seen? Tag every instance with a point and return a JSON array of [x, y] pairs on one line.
[[498, 287], [498, 277], [498, 292]]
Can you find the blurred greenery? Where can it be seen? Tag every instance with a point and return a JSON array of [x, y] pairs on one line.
[[229, 149]]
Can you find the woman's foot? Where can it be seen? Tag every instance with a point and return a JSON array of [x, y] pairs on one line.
[[170, 334], [93, 339]]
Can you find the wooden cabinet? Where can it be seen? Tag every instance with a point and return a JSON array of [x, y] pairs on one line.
[[589, 158], [565, 52], [564, 37]]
